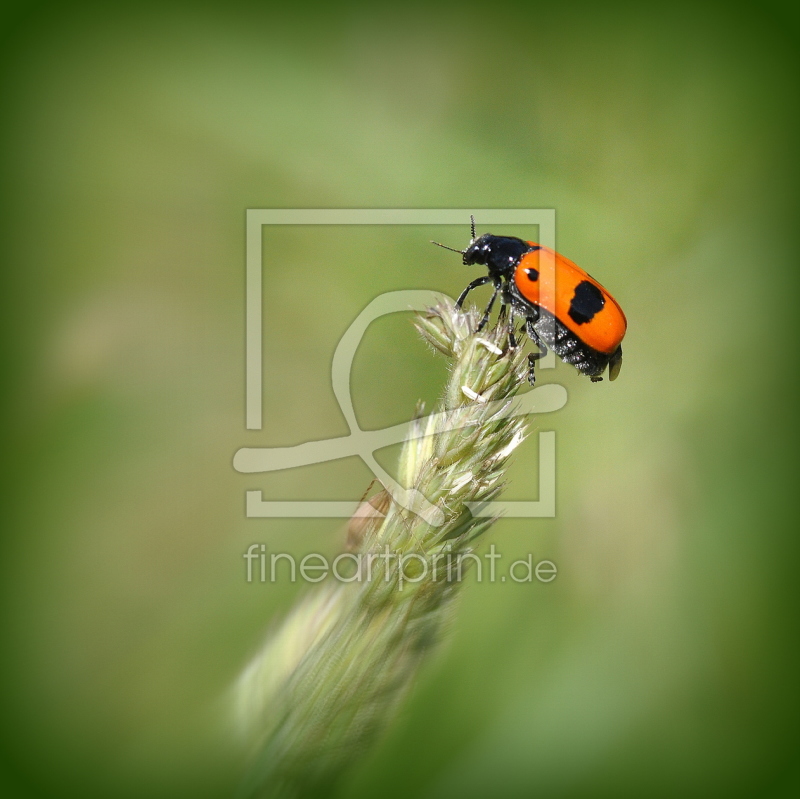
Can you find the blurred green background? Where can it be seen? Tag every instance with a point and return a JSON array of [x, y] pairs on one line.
[[662, 660]]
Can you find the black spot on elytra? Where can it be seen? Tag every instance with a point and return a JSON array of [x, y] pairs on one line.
[[533, 274], [586, 302]]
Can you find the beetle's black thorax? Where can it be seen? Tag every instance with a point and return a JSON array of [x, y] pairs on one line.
[[500, 254]]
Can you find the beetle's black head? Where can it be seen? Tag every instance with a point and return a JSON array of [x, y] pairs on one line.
[[479, 250], [500, 253]]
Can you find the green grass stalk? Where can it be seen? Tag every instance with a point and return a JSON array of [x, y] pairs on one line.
[[329, 679]]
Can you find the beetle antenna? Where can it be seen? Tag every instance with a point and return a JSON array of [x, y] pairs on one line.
[[472, 226], [452, 249]]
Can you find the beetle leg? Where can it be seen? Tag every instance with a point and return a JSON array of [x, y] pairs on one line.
[[537, 340], [487, 313], [531, 369], [479, 281], [512, 339]]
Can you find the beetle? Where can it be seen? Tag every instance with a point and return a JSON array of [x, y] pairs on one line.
[[579, 320]]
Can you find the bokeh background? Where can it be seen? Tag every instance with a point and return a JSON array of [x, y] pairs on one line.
[[662, 660]]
